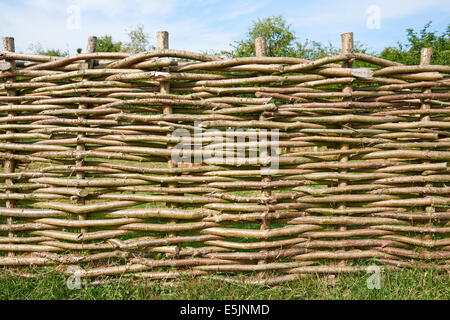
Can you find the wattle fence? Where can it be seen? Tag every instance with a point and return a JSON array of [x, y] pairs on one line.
[[289, 166]]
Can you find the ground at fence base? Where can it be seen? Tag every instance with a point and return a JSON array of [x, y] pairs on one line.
[[400, 284]]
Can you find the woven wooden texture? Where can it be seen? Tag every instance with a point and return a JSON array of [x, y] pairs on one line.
[[88, 177]]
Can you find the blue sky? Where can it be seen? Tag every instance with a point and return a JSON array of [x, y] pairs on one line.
[[201, 25]]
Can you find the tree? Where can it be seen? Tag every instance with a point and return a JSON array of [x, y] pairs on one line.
[[106, 44], [409, 52], [39, 49], [139, 40], [312, 50], [278, 34], [282, 41]]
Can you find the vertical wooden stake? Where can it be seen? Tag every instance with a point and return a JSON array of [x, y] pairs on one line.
[[425, 59], [79, 163], [260, 47], [261, 51], [91, 48], [10, 164], [162, 39], [347, 48]]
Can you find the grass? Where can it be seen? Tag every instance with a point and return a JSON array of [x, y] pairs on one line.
[[395, 285]]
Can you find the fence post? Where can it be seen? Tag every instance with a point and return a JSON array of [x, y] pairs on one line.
[[425, 59], [264, 153], [347, 49], [260, 47], [261, 51], [10, 164], [162, 40], [81, 147]]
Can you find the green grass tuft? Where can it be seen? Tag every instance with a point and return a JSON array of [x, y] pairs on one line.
[[395, 285]]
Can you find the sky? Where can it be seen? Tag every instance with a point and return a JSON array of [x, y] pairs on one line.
[[211, 25]]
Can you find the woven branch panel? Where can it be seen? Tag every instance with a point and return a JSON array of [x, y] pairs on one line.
[[88, 176]]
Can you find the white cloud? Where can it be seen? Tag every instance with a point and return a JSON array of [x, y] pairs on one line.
[[403, 8], [350, 13], [193, 35], [116, 7], [109, 8], [45, 21], [244, 8]]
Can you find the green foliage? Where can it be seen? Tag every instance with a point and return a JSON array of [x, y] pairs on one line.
[[278, 34], [37, 48], [106, 44], [312, 50], [409, 52], [282, 41], [139, 40]]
